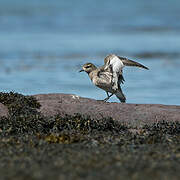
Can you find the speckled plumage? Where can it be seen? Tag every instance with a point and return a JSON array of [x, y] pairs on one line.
[[103, 79]]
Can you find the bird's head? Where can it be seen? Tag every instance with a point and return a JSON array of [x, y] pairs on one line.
[[88, 67]]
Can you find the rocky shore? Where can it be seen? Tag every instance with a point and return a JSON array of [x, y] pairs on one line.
[[134, 114], [61, 136]]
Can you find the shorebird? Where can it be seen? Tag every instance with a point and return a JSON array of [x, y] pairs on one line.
[[116, 65], [109, 76], [103, 79]]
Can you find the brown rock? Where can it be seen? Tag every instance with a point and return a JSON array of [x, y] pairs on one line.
[[135, 114]]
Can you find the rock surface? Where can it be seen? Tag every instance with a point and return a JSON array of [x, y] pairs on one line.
[[135, 114], [3, 110]]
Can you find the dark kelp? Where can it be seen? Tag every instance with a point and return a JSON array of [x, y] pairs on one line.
[[74, 147]]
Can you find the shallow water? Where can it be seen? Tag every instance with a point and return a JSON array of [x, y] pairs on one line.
[[43, 46]]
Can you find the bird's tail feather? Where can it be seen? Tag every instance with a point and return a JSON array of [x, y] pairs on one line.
[[119, 94]]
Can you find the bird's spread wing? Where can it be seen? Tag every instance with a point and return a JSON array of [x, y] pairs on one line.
[[128, 62]]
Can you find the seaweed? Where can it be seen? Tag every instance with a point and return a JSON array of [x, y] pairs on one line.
[[76, 147], [18, 104]]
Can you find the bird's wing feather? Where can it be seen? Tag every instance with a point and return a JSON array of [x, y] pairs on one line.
[[128, 62], [121, 79]]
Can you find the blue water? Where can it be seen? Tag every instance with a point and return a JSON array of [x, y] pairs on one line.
[[44, 43]]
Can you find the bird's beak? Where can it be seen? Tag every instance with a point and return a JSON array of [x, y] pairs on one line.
[[81, 70]]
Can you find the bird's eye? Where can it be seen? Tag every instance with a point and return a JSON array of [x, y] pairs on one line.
[[88, 66]]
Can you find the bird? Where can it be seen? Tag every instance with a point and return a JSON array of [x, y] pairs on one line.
[[110, 76], [116, 65], [102, 78]]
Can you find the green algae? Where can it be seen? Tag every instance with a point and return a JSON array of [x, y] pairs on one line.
[[75, 147]]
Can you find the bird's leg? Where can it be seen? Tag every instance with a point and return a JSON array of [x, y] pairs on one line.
[[108, 96]]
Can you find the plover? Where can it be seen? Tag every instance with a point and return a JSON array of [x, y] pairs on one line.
[[116, 65], [102, 78]]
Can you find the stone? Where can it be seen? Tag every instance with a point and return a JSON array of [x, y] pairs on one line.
[[135, 114]]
